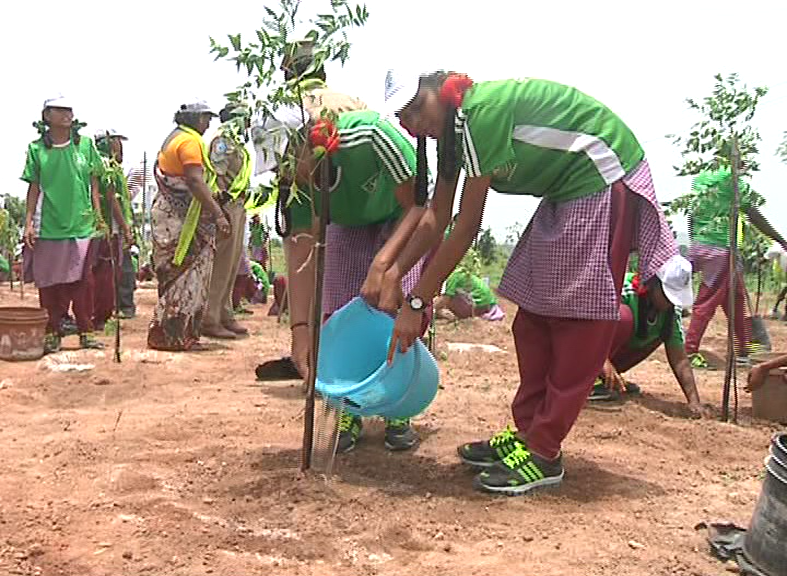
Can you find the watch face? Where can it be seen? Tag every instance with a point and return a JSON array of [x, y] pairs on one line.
[[416, 303]]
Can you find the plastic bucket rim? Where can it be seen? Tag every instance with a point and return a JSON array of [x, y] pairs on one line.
[[418, 350]]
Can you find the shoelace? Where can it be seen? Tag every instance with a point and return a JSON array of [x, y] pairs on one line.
[[502, 437], [518, 457]]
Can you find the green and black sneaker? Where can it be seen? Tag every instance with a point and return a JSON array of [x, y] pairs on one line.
[[88, 342], [52, 344], [518, 473], [486, 453], [400, 435], [350, 428]]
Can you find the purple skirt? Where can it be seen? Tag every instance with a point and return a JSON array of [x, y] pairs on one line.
[[711, 261], [349, 253], [560, 267], [59, 261]]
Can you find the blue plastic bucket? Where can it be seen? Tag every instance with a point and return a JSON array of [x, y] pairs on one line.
[[352, 366]]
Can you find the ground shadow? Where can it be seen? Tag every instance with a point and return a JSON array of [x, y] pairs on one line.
[[585, 481], [283, 389], [671, 408]]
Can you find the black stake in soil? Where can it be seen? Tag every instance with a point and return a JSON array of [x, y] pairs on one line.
[[730, 374], [316, 317]]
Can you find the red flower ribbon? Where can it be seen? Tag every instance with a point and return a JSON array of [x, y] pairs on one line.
[[325, 134], [453, 89], [639, 288]]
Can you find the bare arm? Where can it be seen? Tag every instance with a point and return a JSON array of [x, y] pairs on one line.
[[195, 180], [451, 251], [33, 193], [95, 196], [760, 372], [411, 216], [433, 222], [681, 368], [764, 226]]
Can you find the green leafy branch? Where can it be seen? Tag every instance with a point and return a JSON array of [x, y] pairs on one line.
[[261, 59], [781, 151], [725, 116]]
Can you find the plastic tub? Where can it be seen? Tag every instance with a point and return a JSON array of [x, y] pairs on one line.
[[352, 366], [22, 333]]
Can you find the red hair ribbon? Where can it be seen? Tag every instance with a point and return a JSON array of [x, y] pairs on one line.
[[639, 288], [325, 134], [453, 89]]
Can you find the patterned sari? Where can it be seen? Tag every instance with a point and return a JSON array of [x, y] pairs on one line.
[[182, 290]]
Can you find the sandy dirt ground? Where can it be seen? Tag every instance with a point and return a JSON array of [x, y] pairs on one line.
[[172, 464]]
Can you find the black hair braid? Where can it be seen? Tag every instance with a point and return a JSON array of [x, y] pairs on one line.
[[422, 169], [446, 160]]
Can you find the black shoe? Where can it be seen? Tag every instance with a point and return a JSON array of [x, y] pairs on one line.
[[89, 342], [486, 453], [350, 428], [520, 472], [399, 435]]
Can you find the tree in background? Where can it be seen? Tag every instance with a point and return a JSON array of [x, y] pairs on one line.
[[487, 247], [514, 233]]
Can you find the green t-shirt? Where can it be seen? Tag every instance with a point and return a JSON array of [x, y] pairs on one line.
[[542, 138], [654, 329], [710, 215], [474, 286], [63, 175], [372, 160], [4, 265]]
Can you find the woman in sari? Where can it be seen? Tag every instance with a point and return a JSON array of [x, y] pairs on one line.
[[184, 217]]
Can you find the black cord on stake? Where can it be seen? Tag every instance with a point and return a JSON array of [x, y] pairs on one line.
[[316, 319]]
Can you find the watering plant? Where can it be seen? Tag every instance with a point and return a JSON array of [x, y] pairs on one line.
[[62, 170], [566, 273]]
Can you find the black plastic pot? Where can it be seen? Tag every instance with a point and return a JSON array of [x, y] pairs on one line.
[[766, 539]]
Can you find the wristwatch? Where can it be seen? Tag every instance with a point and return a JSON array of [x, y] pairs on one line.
[[416, 303]]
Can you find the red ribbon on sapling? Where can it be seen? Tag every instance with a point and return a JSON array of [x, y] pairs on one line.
[[453, 90], [325, 135]]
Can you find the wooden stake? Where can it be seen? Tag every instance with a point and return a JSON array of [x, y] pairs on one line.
[[730, 374], [316, 318]]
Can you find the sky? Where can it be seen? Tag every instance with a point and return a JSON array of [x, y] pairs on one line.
[[131, 66]]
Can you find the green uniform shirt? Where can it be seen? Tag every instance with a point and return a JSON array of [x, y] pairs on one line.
[[542, 138], [63, 175], [4, 265], [654, 330], [710, 215], [260, 275], [475, 287], [373, 159]]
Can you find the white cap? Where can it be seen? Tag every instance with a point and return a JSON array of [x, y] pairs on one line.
[[270, 136], [675, 276], [58, 101], [400, 89], [108, 133], [197, 105]]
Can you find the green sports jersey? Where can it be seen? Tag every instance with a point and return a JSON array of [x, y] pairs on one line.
[[63, 175], [542, 138], [654, 329], [4, 265], [260, 275], [710, 215], [373, 159], [475, 287]]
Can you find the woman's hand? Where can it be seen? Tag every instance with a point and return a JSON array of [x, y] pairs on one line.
[[406, 330], [757, 377], [223, 225], [612, 378], [391, 295], [30, 235], [373, 285]]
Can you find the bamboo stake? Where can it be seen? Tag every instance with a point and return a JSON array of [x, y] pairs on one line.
[[730, 374], [316, 319]]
